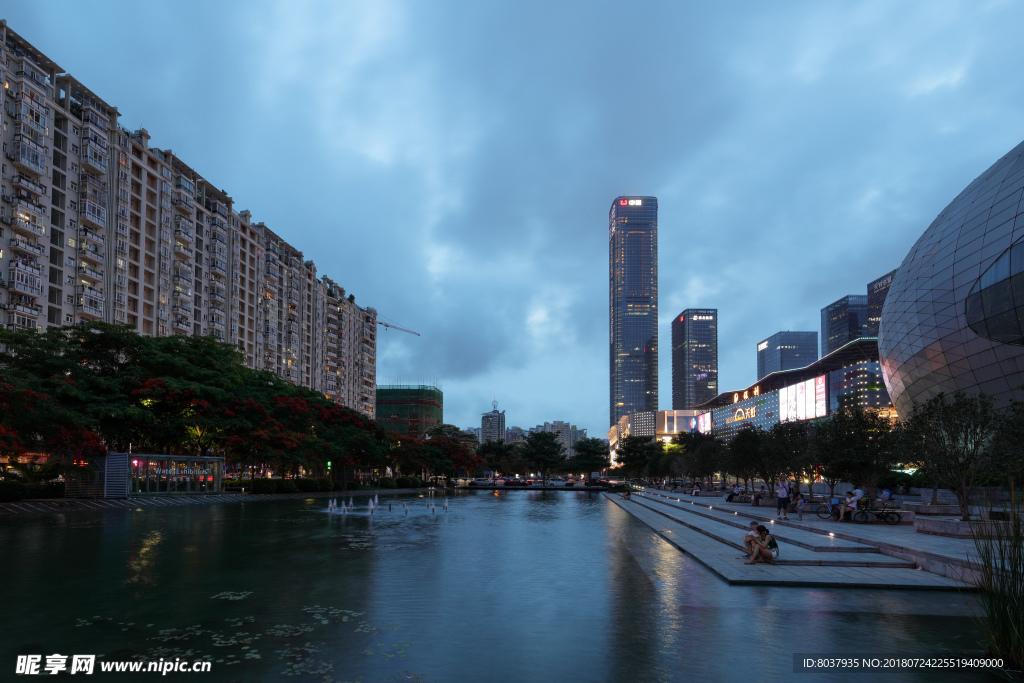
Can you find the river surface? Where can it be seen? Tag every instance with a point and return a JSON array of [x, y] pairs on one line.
[[521, 586]]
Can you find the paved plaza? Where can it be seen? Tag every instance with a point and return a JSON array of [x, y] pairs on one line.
[[814, 552]]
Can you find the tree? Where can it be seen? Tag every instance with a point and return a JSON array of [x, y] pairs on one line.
[[957, 434], [865, 451], [591, 456], [791, 438], [544, 452], [637, 454], [824, 444]]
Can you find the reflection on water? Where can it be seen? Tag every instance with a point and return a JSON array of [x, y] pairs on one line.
[[522, 586]]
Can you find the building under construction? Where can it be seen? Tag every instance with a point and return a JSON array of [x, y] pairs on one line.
[[409, 409]]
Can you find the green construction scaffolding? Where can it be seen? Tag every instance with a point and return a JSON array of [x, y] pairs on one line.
[[409, 409]]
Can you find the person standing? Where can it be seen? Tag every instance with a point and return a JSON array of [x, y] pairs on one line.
[[782, 505]]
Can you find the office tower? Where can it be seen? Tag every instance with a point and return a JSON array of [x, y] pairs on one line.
[[102, 226], [409, 409], [843, 321], [492, 425], [786, 351], [877, 290], [694, 357], [633, 305]]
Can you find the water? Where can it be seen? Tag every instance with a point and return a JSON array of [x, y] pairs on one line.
[[522, 586]]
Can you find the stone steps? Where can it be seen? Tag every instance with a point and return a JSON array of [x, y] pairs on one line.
[[810, 540], [791, 555]]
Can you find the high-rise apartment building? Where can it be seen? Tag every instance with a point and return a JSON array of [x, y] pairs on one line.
[[568, 434], [492, 425], [633, 305], [694, 357], [877, 291], [513, 434], [786, 351], [100, 226], [843, 321]]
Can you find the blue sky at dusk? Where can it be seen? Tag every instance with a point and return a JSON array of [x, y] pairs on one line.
[[452, 163]]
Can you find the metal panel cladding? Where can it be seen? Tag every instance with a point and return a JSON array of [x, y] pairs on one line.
[[925, 340], [633, 305]]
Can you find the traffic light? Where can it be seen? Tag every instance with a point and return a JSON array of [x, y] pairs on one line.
[[328, 465]]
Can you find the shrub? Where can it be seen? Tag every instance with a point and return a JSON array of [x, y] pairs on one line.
[[404, 483], [51, 489], [11, 491], [338, 486], [324, 484], [307, 485], [287, 486], [386, 483], [264, 486]]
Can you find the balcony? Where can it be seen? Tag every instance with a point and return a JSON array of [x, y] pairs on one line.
[[182, 230], [181, 251], [20, 244], [22, 307], [23, 205], [27, 266], [92, 214], [26, 183], [184, 203], [28, 159], [24, 285], [94, 157], [88, 273], [89, 235], [90, 253], [183, 274], [183, 299], [89, 310], [216, 296], [218, 266], [25, 225]]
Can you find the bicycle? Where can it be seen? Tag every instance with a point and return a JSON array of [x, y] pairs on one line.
[[831, 509], [884, 514]]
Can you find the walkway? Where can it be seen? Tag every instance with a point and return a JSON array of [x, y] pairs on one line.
[[937, 554], [807, 558]]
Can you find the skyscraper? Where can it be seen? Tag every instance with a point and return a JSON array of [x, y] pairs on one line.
[[492, 425], [843, 321], [877, 291], [633, 305], [786, 351], [694, 357]]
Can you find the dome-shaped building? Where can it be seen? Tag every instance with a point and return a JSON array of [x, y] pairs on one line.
[[954, 316]]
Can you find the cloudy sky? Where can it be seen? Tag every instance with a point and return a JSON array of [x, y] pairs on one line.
[[452, 163]]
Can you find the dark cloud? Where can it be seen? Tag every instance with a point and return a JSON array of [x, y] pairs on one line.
[[452, 164]]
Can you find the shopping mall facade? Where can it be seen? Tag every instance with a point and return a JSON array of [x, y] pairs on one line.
[[850, 376]]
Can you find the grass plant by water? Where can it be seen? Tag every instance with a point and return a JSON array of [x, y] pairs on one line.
[[1000, 559]]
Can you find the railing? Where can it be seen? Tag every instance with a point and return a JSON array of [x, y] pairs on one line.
[[22, 307], [22, 224], [25, 245], [91, 254], [27, 267], [89, 272], [91, 310], [90, 235], [24, 181]]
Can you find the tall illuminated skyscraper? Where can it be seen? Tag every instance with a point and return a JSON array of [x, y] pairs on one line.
[[694, 357], [633, 305]]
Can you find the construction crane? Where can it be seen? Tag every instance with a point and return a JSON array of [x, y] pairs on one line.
[[400, 329]]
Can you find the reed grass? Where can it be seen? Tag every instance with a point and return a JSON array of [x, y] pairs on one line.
[[999, 557]]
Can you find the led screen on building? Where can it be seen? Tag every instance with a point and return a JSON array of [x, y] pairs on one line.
[[704, 423], [803, 401]]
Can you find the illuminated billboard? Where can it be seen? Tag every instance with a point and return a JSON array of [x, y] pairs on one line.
[[804, 400], [704, 423]]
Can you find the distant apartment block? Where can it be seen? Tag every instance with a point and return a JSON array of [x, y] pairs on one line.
[[492, 425], [100, 226], [877, 291], [568, 434]]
